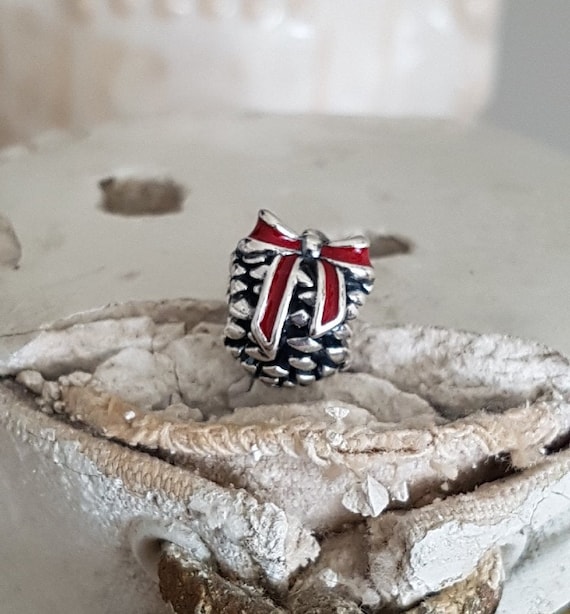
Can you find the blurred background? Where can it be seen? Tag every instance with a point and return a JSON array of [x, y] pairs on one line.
[[71, 64]]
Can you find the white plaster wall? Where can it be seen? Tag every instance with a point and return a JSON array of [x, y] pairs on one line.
[[76, 63]]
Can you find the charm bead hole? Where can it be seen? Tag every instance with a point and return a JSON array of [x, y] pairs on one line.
[[137, 196]]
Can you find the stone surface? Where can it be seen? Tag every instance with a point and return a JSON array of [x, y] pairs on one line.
[[375, 451], [166, 333], [453, 191], [342, 568], [367, 498], [189, 587], [312, 462], [442, 543], [80, 347], [381, 398], [179, 411], [461, 372], [204, 371], [79, 378], [478, 593], [104, 512], [138, 376], [32, 380]]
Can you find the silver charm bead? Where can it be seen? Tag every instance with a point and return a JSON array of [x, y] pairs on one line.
[[290, 299]]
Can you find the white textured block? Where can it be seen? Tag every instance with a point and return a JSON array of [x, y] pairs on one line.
[[74, 63]]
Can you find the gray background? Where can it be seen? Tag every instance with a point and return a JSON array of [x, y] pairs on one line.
[[532, 94]]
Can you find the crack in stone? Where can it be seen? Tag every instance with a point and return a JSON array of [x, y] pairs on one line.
[[20, 333]]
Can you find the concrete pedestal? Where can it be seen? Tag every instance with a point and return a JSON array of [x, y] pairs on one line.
[[482, 212]]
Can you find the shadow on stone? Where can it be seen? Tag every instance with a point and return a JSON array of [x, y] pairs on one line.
[[382, 246]]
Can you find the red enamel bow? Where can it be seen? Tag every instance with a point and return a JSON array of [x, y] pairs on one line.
[[282, 276]]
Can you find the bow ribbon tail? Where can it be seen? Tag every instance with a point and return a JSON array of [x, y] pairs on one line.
[[330, 308], [274, 300], [330, 305]]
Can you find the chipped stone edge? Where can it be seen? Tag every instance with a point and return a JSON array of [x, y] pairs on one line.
[[402, 547]]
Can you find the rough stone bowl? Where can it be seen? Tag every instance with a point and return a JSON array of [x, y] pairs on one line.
[[435, 463]]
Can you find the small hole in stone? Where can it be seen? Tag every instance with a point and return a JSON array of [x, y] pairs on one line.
[[148, 537], [382, 246], [148, 554], [132, 196], [562, 442]]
